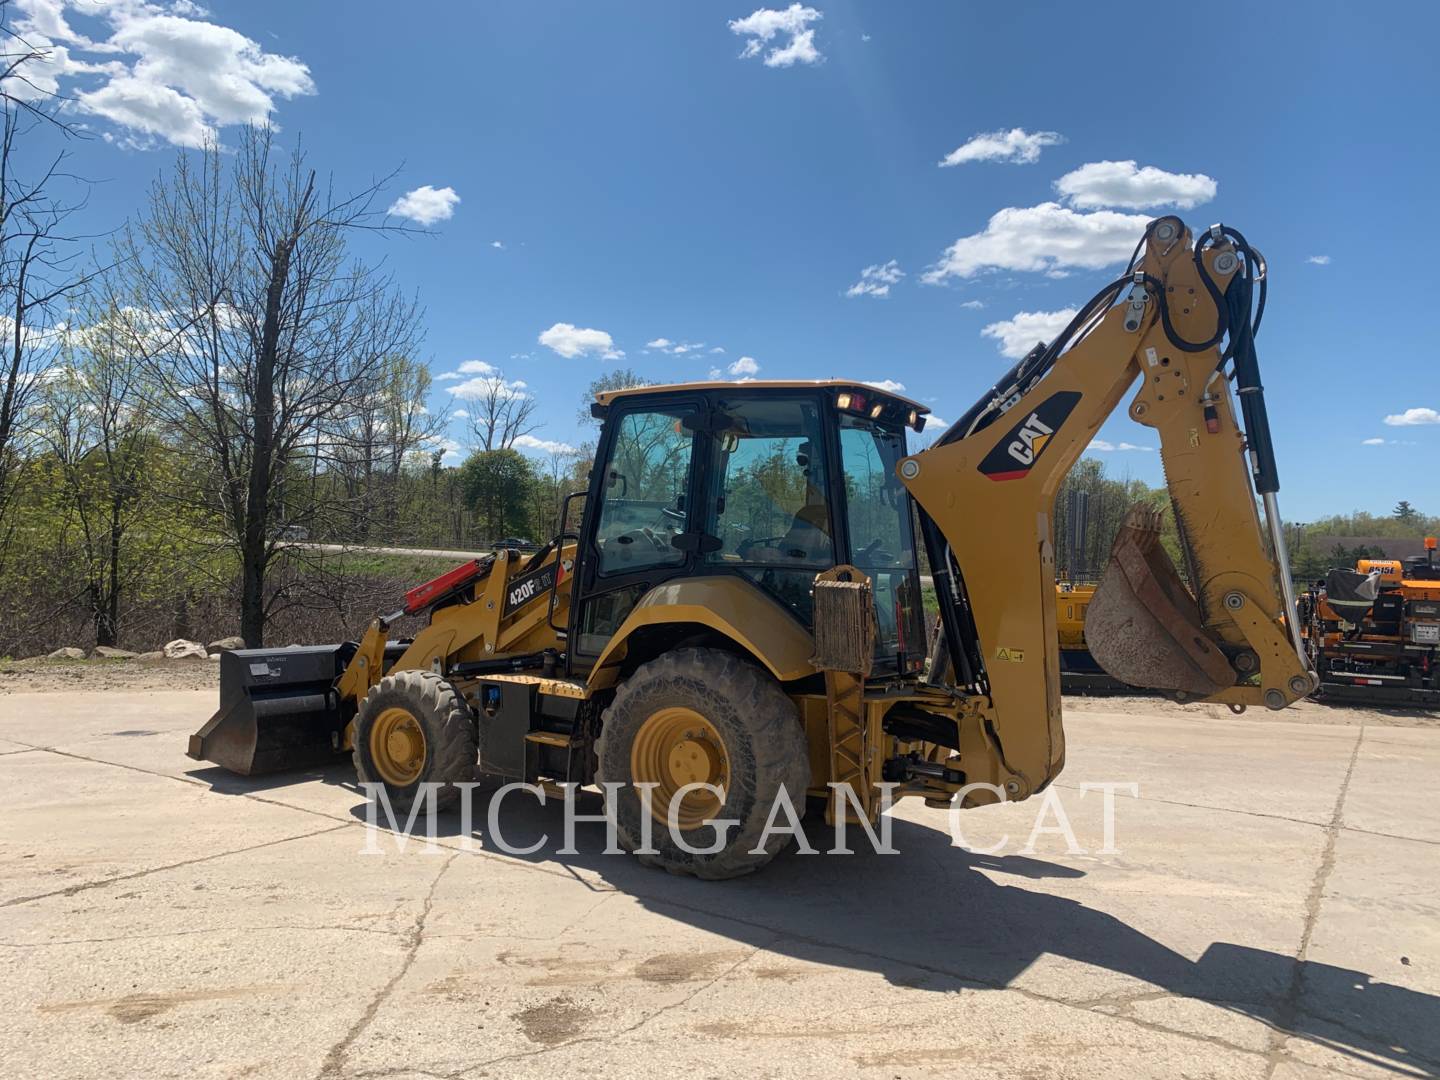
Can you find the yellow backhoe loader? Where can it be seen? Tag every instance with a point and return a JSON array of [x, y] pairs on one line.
[[739, 609]]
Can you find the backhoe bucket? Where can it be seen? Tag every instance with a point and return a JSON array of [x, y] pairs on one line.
[[278, 710], [1143, 625]]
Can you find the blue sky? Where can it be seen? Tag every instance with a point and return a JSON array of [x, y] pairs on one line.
[[628, 169]]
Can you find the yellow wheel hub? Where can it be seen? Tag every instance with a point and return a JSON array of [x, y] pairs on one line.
[[397, 746], [674, 747]]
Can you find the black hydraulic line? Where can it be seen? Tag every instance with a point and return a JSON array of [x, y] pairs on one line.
[[956, 620], [500, 666], [1237, 313]]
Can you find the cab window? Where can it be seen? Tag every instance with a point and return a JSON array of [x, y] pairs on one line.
[[643, 491], [881, 540], [770, 503]]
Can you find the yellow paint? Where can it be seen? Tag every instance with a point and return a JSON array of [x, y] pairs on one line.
[[727, 604], [397, 747], [606, 397], [676, 746]]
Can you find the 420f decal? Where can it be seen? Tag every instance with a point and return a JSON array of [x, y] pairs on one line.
[[1015, 454]]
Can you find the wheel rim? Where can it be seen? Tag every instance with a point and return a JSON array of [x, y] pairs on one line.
[[677, 746], [397, 746]]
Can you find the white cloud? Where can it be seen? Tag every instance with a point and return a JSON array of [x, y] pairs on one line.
[[497, 245], [716, 373], [1044, 237], [1106, 447], [973, 305], [717, 349], [876, 280], [162, 74], [890, 386], [1016, 146], [426, 205], [677, 348], [763, 25], [934, 422], [549, 446], [1017, 336], [746, 365], [452, 449], [1413, 417], [1122, 185], [1319, 260], [469, 367], [1372, 442], [484, 386], [460, 414], [572, 341]]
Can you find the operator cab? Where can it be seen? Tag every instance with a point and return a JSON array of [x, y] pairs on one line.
[[773, 482]]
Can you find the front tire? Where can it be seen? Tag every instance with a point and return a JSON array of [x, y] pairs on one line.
[[414, 728], [703, 715]]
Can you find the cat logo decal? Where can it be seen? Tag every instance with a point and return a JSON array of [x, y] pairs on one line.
[[1014, 455]]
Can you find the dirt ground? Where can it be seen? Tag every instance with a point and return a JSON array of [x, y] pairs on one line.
[[57, 676]]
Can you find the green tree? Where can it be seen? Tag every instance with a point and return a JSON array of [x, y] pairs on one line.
[[497, 485], [1405, 512]]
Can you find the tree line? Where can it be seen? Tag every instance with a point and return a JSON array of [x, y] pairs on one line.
[[196, 406], [192, 402]]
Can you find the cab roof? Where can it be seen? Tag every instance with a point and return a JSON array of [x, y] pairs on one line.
[[606, 397]]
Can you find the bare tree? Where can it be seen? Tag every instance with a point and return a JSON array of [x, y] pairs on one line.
[[39, 259], [387, 424], [500, 412], [265, 333]]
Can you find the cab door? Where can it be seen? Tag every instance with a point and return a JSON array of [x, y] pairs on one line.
[[639, 517]]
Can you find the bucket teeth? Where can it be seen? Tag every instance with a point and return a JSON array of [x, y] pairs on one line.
[[1143, 625]]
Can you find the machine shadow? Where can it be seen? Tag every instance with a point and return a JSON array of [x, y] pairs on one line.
[[927, 918], [225, 782]]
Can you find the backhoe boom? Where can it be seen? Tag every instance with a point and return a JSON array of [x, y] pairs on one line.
[[987, 488]]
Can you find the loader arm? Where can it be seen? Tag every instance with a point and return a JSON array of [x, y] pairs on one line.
[[986, 490]]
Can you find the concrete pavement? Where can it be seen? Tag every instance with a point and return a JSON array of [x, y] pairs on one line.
[[1271, 912]]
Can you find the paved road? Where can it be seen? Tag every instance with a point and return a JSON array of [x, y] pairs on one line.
[[1272, 912], [428, 553]]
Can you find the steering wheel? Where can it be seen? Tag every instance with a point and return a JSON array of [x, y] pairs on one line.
[[629, 545], [746, 546], [875, 555]]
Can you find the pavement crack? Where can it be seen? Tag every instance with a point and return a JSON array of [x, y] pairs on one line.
[[335, 1058], [636, 1026], [699, 989], [71, 890], [1208, 806], [1288, 1011]]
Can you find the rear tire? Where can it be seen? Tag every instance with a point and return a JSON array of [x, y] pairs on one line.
[[763, 751], [444, 723]]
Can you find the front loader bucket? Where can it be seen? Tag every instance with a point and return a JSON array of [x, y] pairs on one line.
[[278, 710], [1143, 625]]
